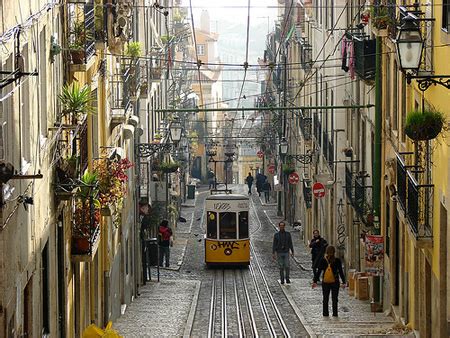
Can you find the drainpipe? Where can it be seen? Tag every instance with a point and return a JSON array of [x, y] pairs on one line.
[[376, 169]]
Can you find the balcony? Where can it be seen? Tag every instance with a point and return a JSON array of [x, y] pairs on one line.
[[364, 54], [85, 230], [132, 78], [328, 149], [305, 126], [305, 54], [318, 129], [307, 192], [120, 96], [81, 28], [416, 201], [358, 194]]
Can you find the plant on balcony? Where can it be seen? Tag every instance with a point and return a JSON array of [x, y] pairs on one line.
[[77, 46], [134, 49], [169, 167], [424, 125], [86, 218], [165, 39], [76, 102], [288, 168], [112, 179], [380, 17], [155, 73]]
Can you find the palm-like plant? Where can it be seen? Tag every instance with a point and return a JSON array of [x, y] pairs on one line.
[[134, 49], [76, 101]]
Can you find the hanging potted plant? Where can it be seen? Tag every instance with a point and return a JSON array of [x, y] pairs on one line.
[[169, 167], [77, 46], [76, 102], [288, 168], [380, 19], [424, 125]]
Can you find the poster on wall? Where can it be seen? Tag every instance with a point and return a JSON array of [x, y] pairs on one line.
[[374, 255]]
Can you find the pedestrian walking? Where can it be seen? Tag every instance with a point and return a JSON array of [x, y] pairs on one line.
[[260, 178], [249, 182], [211, 179], [318, 246], [282, 244], [332, 270], [266, 188], [165, 242]]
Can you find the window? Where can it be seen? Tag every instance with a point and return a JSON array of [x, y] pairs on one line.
[[201, 49], [445, 15], [243, 224], [395, 98], [211, 231], [227, 225]]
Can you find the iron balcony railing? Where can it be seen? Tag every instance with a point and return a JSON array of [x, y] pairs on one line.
[[348, 183], [358, 194], [318, 130], [305, 126], [85, 226], [306, 60], [307, 192], [120, 88], [401, 182], [82, 30], [419, 207], [328, 148]]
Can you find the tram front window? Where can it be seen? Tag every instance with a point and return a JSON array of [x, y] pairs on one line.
[[211, 231], [243, 224], [227, 225]]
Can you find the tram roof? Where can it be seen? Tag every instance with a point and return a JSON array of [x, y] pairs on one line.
[[227, 197]]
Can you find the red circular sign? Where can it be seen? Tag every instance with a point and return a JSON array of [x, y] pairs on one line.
[[271, 169], [293, 178], [318, 190], [260, 154]]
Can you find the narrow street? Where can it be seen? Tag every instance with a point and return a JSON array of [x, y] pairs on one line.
[[192, 300]]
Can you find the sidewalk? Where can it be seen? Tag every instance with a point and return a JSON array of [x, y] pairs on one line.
[[355, 318], [164, 309]]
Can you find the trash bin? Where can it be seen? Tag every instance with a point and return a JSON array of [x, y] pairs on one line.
[[191, 192]]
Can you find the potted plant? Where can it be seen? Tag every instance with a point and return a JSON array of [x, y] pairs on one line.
[[424, 125], [133, 49], [76, 102], [380, 17], [77, 46], [169, 167], [288, 168], [112, 178]]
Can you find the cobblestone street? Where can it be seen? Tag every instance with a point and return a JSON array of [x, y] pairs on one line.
[[180, 304]]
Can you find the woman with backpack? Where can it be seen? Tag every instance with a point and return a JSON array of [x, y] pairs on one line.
[[165, 242], [332, 270]]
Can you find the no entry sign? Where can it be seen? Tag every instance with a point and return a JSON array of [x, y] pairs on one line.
[[293, 178], [260, 154], [318, 190], [271, 168]]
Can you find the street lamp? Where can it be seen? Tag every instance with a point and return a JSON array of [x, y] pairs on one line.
[[409, 44], [283, 146], [175, 130]]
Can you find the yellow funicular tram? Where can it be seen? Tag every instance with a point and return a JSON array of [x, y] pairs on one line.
[[227, 230]]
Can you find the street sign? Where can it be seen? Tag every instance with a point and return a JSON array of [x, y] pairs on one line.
[[294, 178], [260, 154], [271, 168], [318, 190]]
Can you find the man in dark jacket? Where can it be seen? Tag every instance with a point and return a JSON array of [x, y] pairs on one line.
[[318, 246], [249, 182], [282, 244]]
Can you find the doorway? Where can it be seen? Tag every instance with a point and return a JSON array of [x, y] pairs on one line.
[[60, 278]]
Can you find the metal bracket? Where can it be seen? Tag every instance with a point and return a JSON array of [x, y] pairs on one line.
[[424, 82], [149, 149], [302, 158]]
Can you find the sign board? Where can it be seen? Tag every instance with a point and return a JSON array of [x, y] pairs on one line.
[[260, 154], [293, 178], [271, 169], [374, 255], [318, 190]]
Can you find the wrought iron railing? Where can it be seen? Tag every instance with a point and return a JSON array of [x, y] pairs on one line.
[[328, 148], [419, 207], [307, 192], [305, 126], [83, 144], [82, 31], [306, 60], [401, 182], [349, 183], [318, 129], [132, 77], [85, 226], [120, 88]]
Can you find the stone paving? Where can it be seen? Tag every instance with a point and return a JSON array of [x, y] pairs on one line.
[[162, 309]]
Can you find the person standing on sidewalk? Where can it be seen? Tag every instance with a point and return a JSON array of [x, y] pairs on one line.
[[332, 270], [266, 189], [249, 182], [318, 246], [165, 242], [282, 244]]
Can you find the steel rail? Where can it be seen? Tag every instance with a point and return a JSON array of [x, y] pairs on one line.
[[212, 308], [279, 318], [239, 316], [224, 307], [251, 315]]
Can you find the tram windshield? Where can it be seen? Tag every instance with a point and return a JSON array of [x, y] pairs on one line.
[[227, 225], [243, 224], [211, 231]]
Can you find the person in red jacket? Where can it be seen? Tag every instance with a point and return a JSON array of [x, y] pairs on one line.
[[165, 242]]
